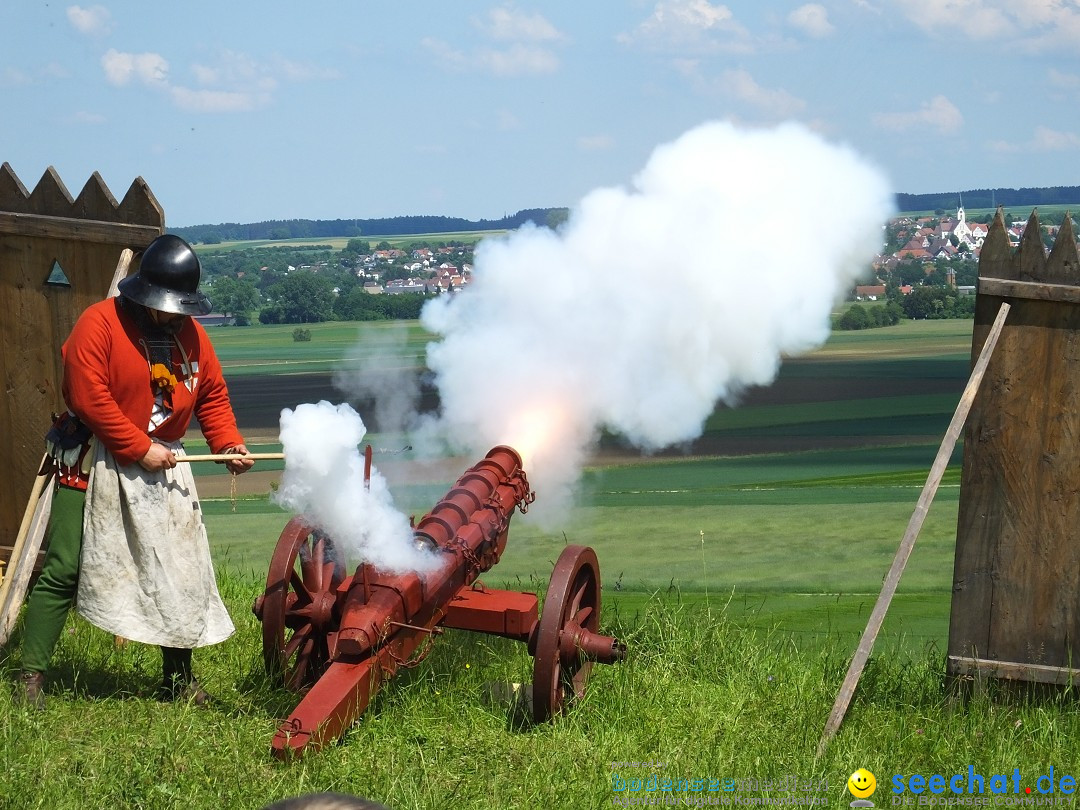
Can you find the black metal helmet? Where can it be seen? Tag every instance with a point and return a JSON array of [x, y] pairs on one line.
[[168, 278]]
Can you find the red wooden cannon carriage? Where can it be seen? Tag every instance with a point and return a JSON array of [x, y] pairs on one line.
[[338, 638]]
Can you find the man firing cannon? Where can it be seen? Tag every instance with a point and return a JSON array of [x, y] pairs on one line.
[[125, 531]]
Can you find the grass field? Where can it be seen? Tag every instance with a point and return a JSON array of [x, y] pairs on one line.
[[700, 698], [801, 492], [740, 570]]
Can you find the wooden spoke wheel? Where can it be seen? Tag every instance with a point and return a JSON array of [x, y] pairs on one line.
[[298, 609], [572, 604]]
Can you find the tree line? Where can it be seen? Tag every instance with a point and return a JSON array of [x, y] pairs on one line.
[[990, 198], [926, 302], [386, 226]]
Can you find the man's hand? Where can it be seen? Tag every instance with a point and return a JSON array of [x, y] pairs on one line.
[[157, 458], [239, 465]]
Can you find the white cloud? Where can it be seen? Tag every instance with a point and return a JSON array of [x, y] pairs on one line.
[[1043, 139], [739, 85], [595, 143], [233, 82], [94, 20], [1050, 140], [778, 103], [977, 19], [517, 60], [304, 72], [236, 72], [812, 19], [519, 56], [508, 24], [146, 68], [1063, 81], [689, 24], [217, 101], [939, 114], [1032, 25]]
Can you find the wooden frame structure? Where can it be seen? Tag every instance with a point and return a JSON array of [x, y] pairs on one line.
[[1016, 582], [57, 256]]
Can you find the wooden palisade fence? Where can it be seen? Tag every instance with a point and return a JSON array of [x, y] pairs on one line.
[[1016, 584], [57, 256]]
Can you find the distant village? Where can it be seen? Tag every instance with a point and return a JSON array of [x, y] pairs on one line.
[[932, 242], [427, 270]]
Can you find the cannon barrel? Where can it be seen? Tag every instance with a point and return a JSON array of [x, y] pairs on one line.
[[467, 529], [338, 638]]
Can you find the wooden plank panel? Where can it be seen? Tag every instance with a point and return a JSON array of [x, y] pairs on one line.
[[52, 227], [95, 201], [983, 469], [13, 194], [86, 237], [140, 206], [1062, 264], [50, 196], [1017, 572], [30, 366], [1034, 615]]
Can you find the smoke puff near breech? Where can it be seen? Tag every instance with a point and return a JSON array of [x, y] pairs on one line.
[[324, 482], [652, 303]]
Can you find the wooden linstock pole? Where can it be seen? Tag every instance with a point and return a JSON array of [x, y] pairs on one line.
[[230, 457], [892, 580]]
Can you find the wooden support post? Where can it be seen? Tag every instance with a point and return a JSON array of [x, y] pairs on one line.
[[892, 580]]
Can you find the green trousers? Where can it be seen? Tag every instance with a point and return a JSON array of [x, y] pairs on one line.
[[54, 593]]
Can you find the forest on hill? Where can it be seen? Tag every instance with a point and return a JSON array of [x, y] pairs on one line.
[[989, 198], [551, 217], [387, 226]]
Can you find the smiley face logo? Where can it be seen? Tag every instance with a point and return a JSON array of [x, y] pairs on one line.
[[862, 784]]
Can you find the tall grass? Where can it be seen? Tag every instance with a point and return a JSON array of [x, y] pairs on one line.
[[702, 696]]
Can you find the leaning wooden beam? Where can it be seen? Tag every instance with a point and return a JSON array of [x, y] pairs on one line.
[[24, 554], [892, 580]]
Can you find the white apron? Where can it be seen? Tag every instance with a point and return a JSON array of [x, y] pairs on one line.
[[146, 573]]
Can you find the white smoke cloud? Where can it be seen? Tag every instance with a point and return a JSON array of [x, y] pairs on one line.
[[375, 370], [324, 482], [654, 302]]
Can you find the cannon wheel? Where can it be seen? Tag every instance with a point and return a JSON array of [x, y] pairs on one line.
[[298, 607], [573, 597]]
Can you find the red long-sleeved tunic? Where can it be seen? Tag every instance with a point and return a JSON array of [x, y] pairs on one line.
[[107, 384]]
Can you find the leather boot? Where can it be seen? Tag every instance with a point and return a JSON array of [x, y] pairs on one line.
[[177, 682], [31, 690]]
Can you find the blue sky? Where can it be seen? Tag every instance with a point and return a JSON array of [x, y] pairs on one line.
[[244, 111]]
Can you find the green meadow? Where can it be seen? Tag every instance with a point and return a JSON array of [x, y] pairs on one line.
[[739, 570], [788, 509]]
